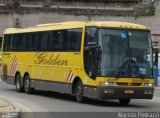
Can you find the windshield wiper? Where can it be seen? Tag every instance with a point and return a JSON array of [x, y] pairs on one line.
[[122, 70]]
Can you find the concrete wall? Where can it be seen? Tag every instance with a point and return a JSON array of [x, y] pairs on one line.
[[27, 19]]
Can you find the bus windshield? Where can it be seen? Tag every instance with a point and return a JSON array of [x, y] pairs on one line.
[[125, 53]]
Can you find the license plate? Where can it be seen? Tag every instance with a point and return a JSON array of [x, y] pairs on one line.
[[129, 91]]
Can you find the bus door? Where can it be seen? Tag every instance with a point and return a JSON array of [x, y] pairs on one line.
[[91, 52]]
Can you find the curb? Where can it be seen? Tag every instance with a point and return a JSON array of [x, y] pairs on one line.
[[157, 87], [13, 114]]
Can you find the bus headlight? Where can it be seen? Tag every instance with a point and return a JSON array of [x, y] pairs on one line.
[[147, 85], [108, 84]]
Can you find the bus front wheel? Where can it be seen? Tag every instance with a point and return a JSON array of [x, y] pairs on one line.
[[27, 84], [19, 88], [79, 92], [124, 101]]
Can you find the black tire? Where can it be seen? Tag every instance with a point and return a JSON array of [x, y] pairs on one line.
[[124, 101], [79, 92], [18, 85], [27, 85]]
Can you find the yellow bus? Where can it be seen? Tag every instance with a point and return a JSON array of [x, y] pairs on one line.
[[96, 59]]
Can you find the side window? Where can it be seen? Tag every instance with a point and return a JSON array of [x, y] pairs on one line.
[[24, 42], [7, 42], [31, 41], [18, 42], [44, 42], [66, 42], [57, 38], [14, 44], [74, 39], [37, 41], [50, 34]]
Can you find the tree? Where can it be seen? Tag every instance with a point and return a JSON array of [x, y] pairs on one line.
[[15, 4], [151, 9]]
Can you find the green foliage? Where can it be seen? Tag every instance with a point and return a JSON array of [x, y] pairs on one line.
[[47, 3], [15, 4], [151, 9]]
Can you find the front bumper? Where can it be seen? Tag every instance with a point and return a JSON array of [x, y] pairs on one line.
[[125, 92]]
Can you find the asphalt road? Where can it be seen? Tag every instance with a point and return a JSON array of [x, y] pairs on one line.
[[44, 102]]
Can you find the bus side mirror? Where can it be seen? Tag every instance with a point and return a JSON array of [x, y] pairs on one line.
[[98, 54], [95, 58], [96, 49], [92, 44]]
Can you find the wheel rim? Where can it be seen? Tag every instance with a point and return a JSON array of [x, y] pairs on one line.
[[17, 84], [79, 91], [27, 84]]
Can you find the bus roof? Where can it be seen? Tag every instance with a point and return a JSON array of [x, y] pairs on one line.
[[115, 24], [75, 24]]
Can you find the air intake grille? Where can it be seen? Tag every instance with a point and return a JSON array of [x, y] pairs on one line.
[[128, 84]]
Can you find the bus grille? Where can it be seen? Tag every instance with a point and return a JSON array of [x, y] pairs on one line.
[[128, 84]]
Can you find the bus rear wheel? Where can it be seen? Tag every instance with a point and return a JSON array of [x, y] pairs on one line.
[[27, 85], [79, 92], [19, 88], [124, 101]]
